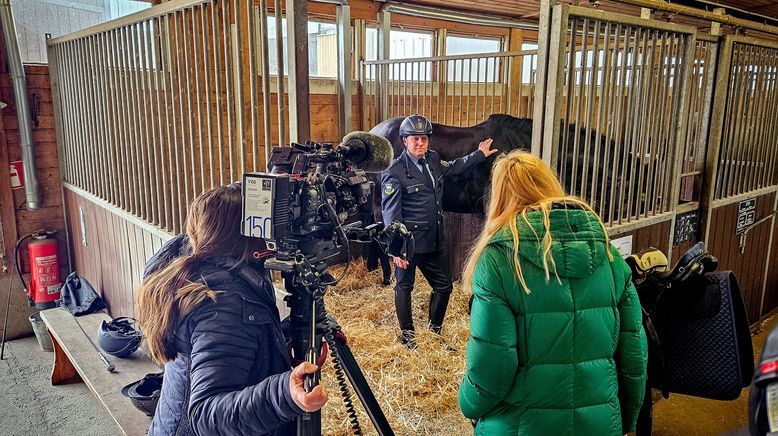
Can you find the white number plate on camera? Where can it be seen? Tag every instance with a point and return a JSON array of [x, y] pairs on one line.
[[772, 406], [258, 206]]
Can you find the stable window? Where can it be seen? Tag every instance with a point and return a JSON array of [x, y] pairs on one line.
[[402, 45], [36, 18], [529, 63], [322, 48], [476, 68]]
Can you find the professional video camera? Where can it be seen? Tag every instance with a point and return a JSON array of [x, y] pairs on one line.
[[307, 208]]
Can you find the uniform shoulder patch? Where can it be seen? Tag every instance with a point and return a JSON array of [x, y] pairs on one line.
[[389, 188]]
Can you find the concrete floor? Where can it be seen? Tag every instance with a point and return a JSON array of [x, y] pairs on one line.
[[29, 405]]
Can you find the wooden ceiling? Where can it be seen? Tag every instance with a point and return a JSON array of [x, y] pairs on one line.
[[528, 9]]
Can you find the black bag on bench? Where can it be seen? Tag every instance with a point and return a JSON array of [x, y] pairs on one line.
[[79, 297]]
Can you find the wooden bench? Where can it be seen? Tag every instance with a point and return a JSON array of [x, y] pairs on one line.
[[75, 360]]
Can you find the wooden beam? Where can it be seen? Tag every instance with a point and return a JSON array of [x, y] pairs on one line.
[[299, 82]]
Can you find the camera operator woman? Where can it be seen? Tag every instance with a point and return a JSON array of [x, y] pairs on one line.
[[556, 342], [209, 315]]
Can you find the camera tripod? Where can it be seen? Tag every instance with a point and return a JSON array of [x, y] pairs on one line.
[[310, 323]]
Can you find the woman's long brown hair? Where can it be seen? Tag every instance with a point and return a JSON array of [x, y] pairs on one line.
[[167, 296]]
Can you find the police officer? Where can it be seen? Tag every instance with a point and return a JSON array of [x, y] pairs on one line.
[[411, 192]]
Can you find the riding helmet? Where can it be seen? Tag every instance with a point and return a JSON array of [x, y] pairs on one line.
[[415, 125], [144, 393], [119, 337]]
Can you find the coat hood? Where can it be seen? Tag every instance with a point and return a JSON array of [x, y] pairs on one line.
[[578, 241]]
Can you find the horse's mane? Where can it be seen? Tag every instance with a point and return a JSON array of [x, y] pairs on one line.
[[503, 121]]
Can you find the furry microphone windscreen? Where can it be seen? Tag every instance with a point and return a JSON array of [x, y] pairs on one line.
[[378, 151]]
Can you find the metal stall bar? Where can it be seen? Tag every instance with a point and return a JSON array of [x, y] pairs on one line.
[[253, 101], [141, 73], [265, 64], [206, 56], [153, 63], [280, 72], [640, 158], [605, 111], [217, 40], [239, 103], [196, 18], [140, 140]]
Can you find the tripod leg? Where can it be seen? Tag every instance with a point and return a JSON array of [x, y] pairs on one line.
[[357, 379], [309, 424]]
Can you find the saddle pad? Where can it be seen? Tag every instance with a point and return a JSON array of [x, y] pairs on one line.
[[710, 357]]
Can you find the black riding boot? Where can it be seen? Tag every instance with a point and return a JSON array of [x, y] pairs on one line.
[[438, 305], [408, 339]]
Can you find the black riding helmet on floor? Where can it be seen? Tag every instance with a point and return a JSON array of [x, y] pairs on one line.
[[119, 337], [415, 125], [145, 392]]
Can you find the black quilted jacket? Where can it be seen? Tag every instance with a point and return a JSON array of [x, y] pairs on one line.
[[231, 375]]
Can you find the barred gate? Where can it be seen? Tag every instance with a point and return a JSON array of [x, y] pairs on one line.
[[617, 94], [741, 193], [156, 107]]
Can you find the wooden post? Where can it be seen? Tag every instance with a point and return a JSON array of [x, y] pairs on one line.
[[299, 83], [515, 42]]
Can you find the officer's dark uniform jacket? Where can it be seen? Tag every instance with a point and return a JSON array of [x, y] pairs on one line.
[[408, 196], [231, 375]]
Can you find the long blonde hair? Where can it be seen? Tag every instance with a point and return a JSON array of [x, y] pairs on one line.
[[167, 296], [521, 183]]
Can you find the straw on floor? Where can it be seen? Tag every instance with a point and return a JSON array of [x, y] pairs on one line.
[[417, 389]]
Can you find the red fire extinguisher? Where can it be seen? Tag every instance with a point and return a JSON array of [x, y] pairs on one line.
[[45, 283]]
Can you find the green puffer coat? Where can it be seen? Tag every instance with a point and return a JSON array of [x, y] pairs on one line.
[[566, 358]]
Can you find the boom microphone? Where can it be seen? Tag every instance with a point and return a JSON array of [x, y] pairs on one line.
[[370, 152]]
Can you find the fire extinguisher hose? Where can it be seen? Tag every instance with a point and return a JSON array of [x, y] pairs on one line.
[[18, 263]]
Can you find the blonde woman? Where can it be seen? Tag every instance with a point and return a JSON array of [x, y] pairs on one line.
[[556, 343]]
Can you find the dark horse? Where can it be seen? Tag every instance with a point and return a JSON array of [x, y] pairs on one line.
[[465, 193]]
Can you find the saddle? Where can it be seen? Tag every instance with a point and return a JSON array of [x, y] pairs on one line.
[[688, 311]]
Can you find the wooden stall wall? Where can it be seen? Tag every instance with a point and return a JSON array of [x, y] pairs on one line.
[[110, 250], [748, 266], [771, 289]]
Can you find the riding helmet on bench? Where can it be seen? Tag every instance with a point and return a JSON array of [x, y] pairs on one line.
[[144, 393], [119, 337]]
